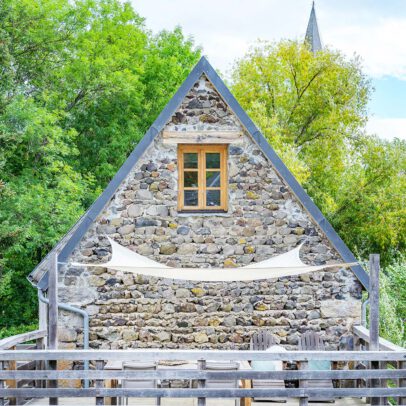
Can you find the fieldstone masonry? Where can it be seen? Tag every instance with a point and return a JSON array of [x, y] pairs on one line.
[[264, 219]]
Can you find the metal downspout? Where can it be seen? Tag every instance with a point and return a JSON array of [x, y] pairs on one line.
[[364, 313], [69, 308]]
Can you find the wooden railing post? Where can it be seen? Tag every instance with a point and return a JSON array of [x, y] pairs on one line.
[[39, 365], [2, 385], [201, 383], [374, 316], [99, 383], [53, 319], [303, 400], [12, 383], [402, 383]]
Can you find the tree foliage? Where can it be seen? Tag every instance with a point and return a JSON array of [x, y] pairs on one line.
[[313, 110], [80, 81]]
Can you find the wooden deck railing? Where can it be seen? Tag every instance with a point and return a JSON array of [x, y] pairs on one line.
[[26, 341], [99, 377], [362, 341]]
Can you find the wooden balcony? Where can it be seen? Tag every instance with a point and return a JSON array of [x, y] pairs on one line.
[[374, 376]]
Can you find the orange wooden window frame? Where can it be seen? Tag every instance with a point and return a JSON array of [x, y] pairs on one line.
[[201, 151]]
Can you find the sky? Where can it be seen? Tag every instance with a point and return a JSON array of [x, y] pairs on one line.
[[375, 30]]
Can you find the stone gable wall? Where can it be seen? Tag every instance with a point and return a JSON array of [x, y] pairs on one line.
[[264, 219]]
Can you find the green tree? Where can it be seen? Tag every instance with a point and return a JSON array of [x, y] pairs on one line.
[[80, 81], [313, 110]]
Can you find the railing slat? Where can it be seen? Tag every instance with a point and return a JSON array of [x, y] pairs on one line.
[[402, 383], [99, 382], [196, 374], [201, 383], [168, 355], [2, 386], [9, 342], [205, 392], [384, 345]]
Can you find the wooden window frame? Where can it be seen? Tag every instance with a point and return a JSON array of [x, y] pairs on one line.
[[201, 151]]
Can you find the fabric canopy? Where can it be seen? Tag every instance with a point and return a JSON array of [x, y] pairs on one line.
[[288, 264]]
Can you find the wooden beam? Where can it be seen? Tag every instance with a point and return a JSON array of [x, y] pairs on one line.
[[9, 342], [286, 375], [402, 383], [99, 384], [218, 355], [12, 383], [53, 320], [374, 317], [202, 137], [384, 345], [204, 392], [2, 386], [201, 383]]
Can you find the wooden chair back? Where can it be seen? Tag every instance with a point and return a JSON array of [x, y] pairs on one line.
[[310, 340], [262, 340]]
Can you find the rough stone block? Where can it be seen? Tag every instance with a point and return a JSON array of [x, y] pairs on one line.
[[341, 308]]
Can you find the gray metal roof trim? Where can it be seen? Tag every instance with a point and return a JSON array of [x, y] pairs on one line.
[[204, 67]]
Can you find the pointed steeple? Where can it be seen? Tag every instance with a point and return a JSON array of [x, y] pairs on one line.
[[312, 32]]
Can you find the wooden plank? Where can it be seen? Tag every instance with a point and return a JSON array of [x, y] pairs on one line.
[[402, 383], [374, 317], [215, 355], [9, 342], [53, 304], [99, 383], [2, 386], [246, 384], [205, 392], [53, 320], [212, 375], [12, 383], [303, 400], [201, 383], [384, 345], [384, 382], [202, 137], [39, 365]]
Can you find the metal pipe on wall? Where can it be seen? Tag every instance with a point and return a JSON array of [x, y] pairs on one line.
[[69, 308]]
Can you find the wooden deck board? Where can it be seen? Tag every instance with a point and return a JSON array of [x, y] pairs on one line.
[[193, 402]]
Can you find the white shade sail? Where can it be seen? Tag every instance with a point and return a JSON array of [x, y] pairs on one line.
[[287, 264]]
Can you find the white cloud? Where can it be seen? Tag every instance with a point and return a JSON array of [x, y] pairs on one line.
[[226, 28], [387, 128], [381, 44]]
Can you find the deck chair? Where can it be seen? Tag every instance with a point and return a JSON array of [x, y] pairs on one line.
[[264, 341], [222, 384], [311, 341], [139, 383]]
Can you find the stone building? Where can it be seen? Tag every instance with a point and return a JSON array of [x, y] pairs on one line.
[[203, 188]]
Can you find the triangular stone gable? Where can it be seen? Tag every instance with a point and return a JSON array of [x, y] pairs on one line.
[[264, 219], [226, 114]]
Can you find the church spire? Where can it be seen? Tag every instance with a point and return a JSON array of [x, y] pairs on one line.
[[312, 32]]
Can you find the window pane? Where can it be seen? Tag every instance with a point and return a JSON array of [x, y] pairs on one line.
[[190, 160], [213, 160], [191, 198], [213, 198], [213, 179], [190, 179]]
